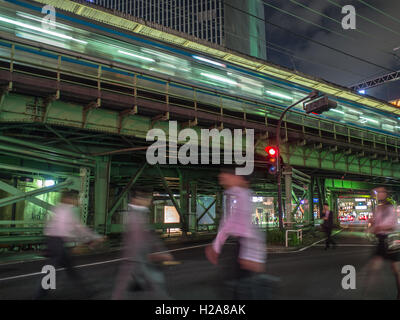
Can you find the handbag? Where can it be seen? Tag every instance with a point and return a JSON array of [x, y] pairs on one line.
[[393, 243]]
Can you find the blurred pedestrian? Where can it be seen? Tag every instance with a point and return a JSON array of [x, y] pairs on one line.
[[382, 224], [247, 244], [140, 269], [63, 227], [327, 226]]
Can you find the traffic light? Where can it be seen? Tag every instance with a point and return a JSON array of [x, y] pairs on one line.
[[319, 106], [272, 156]]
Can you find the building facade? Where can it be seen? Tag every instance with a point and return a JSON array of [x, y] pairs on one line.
[[235, 24]]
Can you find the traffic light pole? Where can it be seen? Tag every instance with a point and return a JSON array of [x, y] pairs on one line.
[[311, 95]]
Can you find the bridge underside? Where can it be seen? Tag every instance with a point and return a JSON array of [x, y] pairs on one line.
[[75, 147], [64, 125]]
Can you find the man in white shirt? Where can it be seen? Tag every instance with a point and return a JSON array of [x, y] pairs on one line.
[[65, 226], [250, 251], [383, 223]]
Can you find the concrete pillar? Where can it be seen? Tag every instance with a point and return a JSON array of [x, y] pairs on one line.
[[101, 186]]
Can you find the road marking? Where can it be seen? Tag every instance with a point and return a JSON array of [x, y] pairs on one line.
[[93, 264], [305, 248], [167, 251], [349, 245]]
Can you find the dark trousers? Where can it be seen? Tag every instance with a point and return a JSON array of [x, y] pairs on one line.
[[231, 274], [59, 257], [329, 239]]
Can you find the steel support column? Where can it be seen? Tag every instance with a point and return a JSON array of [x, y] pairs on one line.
[[219, 209], [193, 207], [101, 185], [123, 194], [171, 195], [288, 193], [184, 199], [334, 207], [310, 217], [84, 193]]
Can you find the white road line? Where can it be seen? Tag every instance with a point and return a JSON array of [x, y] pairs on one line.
[[349, 245], [167, 251], [305, 248], [185, 248], [95, 263]]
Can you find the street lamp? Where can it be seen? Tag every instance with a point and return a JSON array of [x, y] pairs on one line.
[[316, 106]]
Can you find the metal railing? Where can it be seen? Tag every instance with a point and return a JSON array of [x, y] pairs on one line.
[[125, 80]]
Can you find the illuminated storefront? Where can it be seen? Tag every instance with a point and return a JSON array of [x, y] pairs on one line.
[[355, 208]]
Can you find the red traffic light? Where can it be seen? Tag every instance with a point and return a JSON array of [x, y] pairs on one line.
[[271, 151]]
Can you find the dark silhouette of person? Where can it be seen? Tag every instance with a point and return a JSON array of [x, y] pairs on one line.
[[327, 226]]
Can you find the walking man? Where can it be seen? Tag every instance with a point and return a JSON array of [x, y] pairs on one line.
[[65, 227], [141, 252], [248, 254], [328, 226]]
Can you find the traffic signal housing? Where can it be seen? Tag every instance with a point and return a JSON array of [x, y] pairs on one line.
[[320, 105], [272, 156]]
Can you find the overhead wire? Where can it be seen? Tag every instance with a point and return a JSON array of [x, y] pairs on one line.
[[380, 11], [319, 26], [310, 39], [367, 19]]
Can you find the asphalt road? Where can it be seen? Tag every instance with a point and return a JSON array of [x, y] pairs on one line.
[[312, 273]]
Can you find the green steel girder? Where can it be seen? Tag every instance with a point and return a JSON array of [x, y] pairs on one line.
[[25, 196], [84, 193], [70, 115], [333, 184], [124, 192], [31, 170], [37, 162], [44, 148], [171, 196], [101, 193], [40, 156], [62, 138], [339, 161], [16, 192]]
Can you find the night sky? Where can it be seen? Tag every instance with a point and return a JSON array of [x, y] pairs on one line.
[[371, 41]]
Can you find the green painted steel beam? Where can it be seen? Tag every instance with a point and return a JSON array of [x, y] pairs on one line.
[[47, 161], [14, 191], [101, 196], [171, 195], [16, 198], [31, 170], [52, 150], [124, 192], [34, 154], [348, 184]]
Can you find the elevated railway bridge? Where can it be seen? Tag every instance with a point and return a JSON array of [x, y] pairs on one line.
[[77, 101]]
